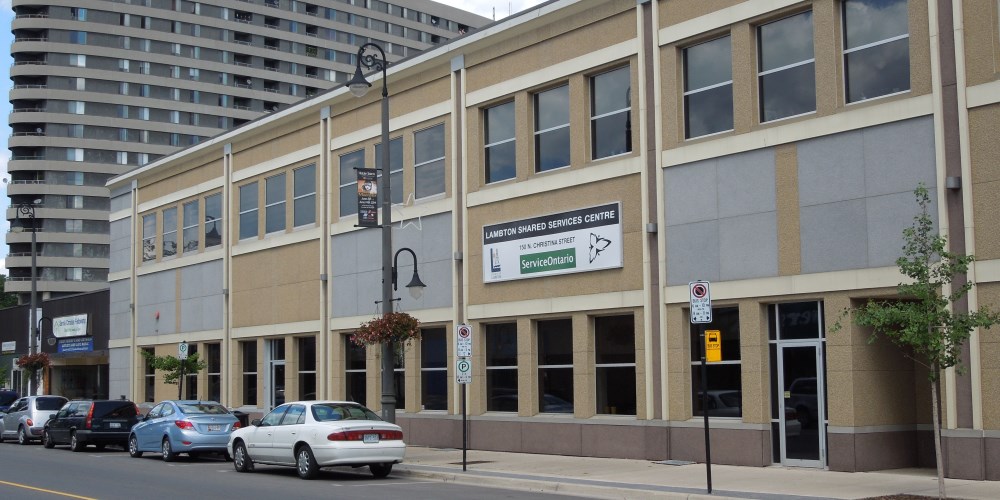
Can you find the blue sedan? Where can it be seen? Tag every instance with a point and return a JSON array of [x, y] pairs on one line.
[[174, 427]]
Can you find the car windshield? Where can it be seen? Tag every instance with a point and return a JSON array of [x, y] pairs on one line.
[[49, 404], [328, 412], [203, 409]]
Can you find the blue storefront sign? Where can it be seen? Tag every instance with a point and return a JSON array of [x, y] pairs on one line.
[[76, 345]]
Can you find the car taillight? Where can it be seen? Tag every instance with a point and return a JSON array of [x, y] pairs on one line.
[[90, 417], [236, 425], [360, 435], [184, 425], [30, 423]]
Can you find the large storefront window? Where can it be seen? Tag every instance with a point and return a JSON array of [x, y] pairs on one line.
[[434, 369], [725, 390], [307, 368], [213, 358], [555, 366], [614, 343], [501, 367], [355, 372], [148, 378]]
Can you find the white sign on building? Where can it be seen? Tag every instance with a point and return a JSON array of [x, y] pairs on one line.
[[70, 326], [587, 239]]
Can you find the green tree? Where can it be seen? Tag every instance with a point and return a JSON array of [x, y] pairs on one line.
[[923, 319], [171, 365], [7, 299]]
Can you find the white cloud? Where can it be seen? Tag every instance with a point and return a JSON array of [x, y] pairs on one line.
[[487, 8]]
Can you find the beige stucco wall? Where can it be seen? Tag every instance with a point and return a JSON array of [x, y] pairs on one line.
[[275, 286], [989, 352], [275, 144], [405, 96], [177, 180], [984, 151], [982, 43], [677, 11]]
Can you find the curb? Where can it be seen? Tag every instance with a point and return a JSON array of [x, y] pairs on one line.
[[564, 486]]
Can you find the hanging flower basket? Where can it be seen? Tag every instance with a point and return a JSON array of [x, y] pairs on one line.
[[33, 362], [397, 327]]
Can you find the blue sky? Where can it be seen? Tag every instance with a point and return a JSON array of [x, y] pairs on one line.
[[486, 8]]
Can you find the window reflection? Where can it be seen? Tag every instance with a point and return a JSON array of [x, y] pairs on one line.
[[787, 77], [876, 48], [708, 88]]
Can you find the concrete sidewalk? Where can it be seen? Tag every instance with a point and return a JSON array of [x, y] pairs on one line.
[[638, 479]]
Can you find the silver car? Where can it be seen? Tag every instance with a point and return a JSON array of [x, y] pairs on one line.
[[27, 416]]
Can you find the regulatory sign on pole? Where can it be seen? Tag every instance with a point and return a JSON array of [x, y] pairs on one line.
[[463, 371], [182, 350], [713, 346], [701, 302], [463, 341]]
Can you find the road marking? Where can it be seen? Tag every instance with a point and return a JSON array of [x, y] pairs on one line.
[[43, 490]]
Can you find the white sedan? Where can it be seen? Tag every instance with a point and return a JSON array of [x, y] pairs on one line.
[[308, 435]]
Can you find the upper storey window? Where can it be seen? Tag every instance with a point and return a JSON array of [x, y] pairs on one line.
[[349, 181], [876, 48], [148, 237], [428, 161], [395, 169], [787, 67], [708, 88], [501, 145], [552, 129], [249, 211], [611, 113]]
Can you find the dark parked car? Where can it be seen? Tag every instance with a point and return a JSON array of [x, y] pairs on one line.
[[7, 398], [98, 422]]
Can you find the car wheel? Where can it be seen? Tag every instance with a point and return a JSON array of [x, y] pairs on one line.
[[241, 459], [168, 451], [75, 444], [305, 463], [133, 447], [22, 436], [380, 470], [47, 440]]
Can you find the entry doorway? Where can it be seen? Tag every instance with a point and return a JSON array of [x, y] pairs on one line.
[[798, 395], [274, 389]]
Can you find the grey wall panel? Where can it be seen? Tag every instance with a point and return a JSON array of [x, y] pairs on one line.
[[356, 266], [121, 245], [693, 252], [201, 297], [690, 193], [156, 297], [121, 316], [122, 202], [831, 169], [746, 183], [119, 368], [887, 217], [748, 246], [898, 156], [834, 236]]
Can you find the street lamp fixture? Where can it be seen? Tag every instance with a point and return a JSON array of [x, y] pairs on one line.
[[359, 87], [28, 210], [415, 286]]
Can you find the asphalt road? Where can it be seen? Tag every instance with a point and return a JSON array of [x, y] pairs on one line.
[[32, 472]]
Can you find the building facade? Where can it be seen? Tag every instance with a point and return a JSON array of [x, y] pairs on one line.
[[562, 177], [101, 87]]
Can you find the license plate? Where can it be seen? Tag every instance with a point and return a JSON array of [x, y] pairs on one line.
[[115, 425], [214, 428], [371, 438]]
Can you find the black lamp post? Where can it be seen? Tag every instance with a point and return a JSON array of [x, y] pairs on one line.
[[359, 87], [28, 210]]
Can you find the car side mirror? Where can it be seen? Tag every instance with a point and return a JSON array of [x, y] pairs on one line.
[[255, 422], [52, 416]]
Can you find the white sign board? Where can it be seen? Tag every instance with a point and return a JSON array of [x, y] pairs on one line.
[[587, 239], [701, 302], [463, 341], [463, 371], [10, 346], [182, 350], [70, 326]]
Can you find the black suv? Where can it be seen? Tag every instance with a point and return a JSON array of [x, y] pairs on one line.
[[98, 422]]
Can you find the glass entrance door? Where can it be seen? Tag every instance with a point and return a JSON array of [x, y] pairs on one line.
[[802, 421], [275, 383]]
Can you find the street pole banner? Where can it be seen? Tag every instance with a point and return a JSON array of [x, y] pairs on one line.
[[587, 239], [367, 197]]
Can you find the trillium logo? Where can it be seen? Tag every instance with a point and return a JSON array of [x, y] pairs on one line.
[[597, 245]]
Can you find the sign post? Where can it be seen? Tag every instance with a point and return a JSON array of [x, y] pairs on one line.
[[701, 314], [182, 354], [463, 375]]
